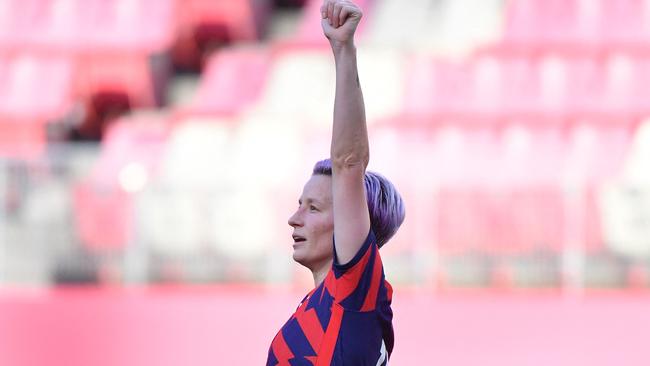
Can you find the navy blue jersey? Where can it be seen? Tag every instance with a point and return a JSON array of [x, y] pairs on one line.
[[346, 320]]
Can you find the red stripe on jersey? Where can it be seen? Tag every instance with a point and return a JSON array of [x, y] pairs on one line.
[[331, 336], [371, 297], [281, 351], [312, 328], [342, 287]]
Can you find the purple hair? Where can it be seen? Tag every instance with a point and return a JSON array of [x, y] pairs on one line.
[[385, 204]]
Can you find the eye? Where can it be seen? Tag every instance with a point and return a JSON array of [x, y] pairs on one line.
[[313, 208]]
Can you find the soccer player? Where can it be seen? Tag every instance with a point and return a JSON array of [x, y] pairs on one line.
[[345, 215]]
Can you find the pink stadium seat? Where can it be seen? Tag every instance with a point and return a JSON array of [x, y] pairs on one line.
[[501, 194], [461, 226], [140, 26], [232, 80], [545, 23], [628, 82], [104, 217], [549, 86], [623, 23], [80, 26], [34, 90], [532, 219], [103, 200], [435, 88], [500, 222], [35, 86], [484, 87], [574, 26]]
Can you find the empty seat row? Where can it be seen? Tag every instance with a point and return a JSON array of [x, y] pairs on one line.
[[577, 25], [128, 25], [510, 86], [87, 26], [511, 191]]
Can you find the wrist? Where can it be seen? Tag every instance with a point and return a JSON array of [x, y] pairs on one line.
[[345, 47]]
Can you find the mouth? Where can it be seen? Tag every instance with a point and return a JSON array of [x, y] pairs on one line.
[[297, 239]]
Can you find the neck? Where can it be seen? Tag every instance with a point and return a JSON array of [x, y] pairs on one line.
[[320, 272]]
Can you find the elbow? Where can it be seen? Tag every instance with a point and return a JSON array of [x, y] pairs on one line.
[[349, 160]]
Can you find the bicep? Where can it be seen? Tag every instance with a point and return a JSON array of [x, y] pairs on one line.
[[351, 217]]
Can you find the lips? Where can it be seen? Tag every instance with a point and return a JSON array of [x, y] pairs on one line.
[[298, 238]]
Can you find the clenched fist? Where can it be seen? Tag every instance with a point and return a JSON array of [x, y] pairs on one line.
[[340, 20]]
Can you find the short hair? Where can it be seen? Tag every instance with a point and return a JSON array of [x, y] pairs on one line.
[[385, 204]]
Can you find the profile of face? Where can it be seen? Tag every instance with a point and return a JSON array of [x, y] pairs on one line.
[[313, 223]]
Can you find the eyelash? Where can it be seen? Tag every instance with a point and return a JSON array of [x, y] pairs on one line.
[[311, 207]]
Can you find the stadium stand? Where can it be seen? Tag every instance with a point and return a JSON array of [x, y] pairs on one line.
[[524, 147]]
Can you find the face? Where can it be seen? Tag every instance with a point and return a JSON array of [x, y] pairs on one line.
[[313, 223]]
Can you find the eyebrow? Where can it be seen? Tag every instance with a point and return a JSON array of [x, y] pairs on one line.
[[310, 200]]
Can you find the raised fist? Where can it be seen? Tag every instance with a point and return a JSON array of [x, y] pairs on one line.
[[340, 20]]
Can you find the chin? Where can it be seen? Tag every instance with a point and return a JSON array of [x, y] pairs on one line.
[[297, 255], [299, 259]]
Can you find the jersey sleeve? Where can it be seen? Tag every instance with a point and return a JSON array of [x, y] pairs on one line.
[[356, 285]]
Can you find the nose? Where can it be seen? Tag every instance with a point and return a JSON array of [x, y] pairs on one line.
[[295, 219]]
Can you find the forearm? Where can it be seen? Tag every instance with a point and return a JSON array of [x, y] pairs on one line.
[[349, 133]]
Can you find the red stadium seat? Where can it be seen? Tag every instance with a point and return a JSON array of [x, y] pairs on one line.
[[120, 73], [23, 139], [203, 25]]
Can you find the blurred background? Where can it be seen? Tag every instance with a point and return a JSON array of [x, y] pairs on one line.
[[151, 152]]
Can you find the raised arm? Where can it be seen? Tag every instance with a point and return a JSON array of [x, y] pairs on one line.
[[349, 150]]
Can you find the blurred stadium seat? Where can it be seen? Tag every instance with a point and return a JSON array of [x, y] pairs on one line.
[[129, 159], [231, 82], [78, 26], [575, 26], [524, 87], [205, 25], [34, 91]]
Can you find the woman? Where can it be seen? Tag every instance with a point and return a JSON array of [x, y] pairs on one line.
[[345, 215]]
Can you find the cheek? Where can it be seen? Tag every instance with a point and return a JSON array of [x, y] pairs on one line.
[[326, 225], [323, 228]]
